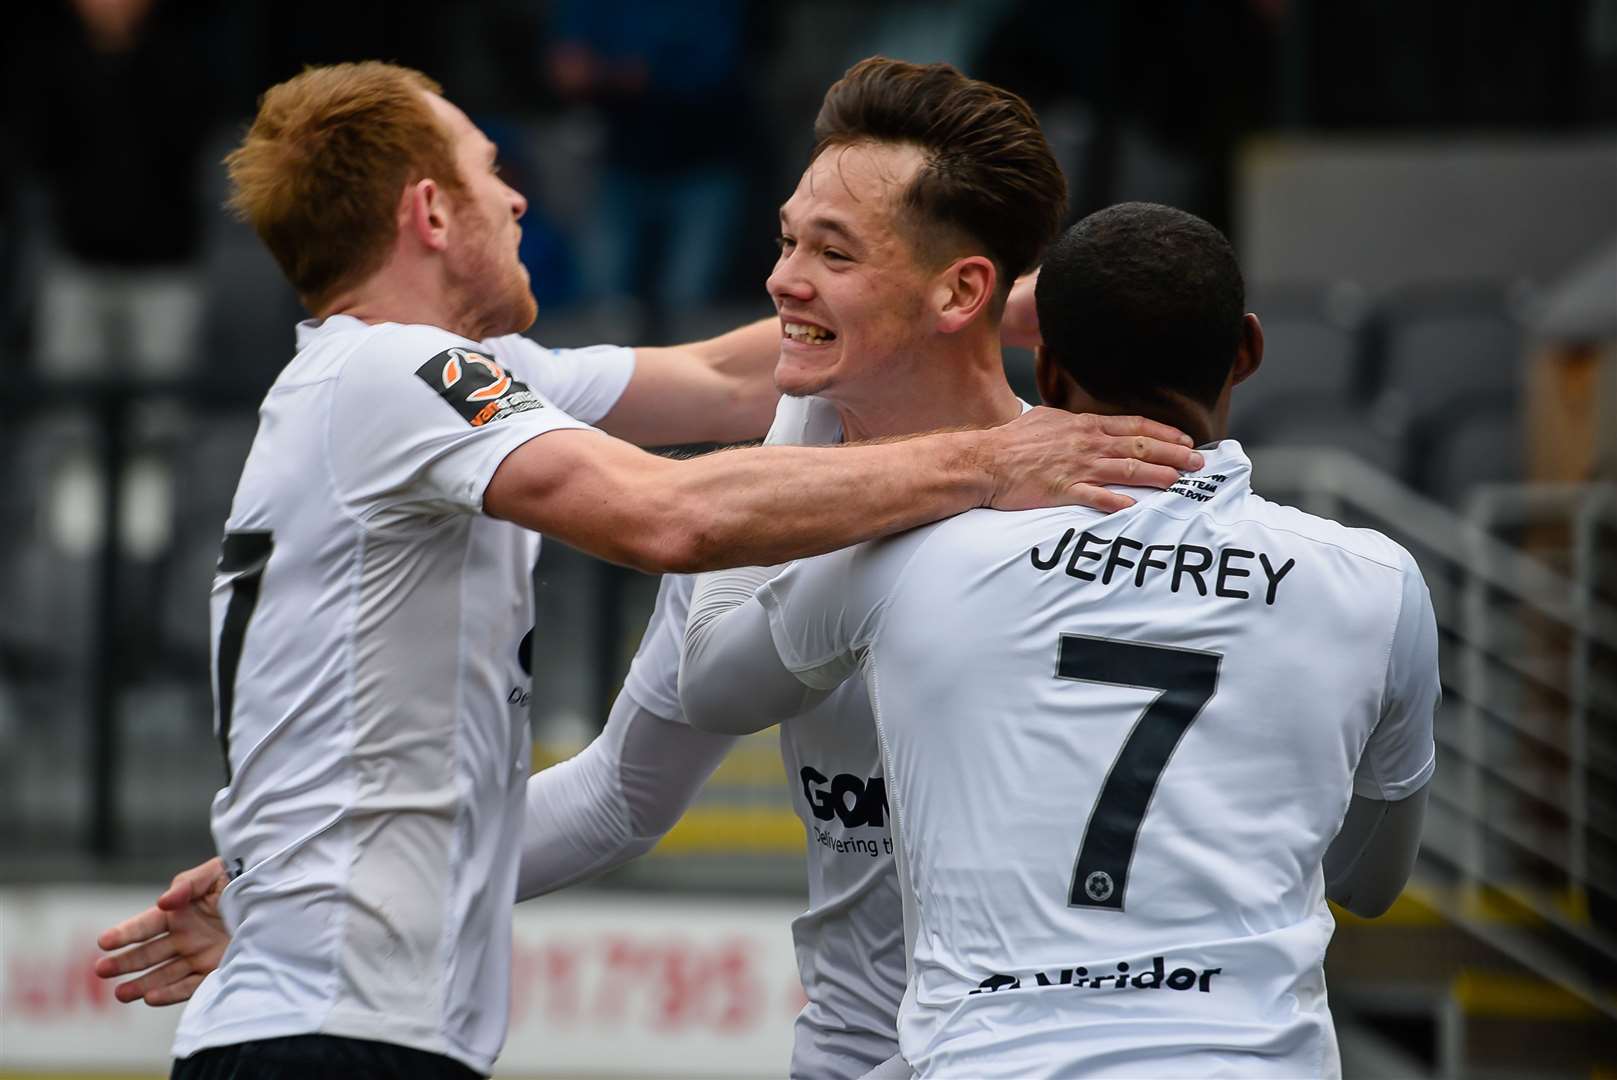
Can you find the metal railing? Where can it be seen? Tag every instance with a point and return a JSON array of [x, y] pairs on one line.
[[1512, 822]]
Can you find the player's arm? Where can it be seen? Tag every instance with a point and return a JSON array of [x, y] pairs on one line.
[[732, 678], [615, 799], [1369, 862], [761, 647], [623, 792], [720, 390], [171, 946], [771, 504], [1019, 326], [608, 804]]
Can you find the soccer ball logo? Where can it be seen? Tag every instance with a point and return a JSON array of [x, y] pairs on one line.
[[1098, 886]]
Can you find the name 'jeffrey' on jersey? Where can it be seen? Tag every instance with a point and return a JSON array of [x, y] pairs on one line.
[[371, 699], [1117, 748]]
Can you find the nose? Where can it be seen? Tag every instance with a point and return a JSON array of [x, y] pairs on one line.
[[786, 281], [519, 203]]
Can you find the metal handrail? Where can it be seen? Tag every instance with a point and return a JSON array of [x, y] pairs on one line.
[[1341, 478], [1496, 582], [1517, 784], [1586, 507]]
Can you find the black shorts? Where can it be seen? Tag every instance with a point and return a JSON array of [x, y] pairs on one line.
[[317, 1057]]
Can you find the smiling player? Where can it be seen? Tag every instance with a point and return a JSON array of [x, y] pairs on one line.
[[897, 257], [1119, 748]]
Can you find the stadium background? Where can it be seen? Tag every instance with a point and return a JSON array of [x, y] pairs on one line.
[[1424, 196]]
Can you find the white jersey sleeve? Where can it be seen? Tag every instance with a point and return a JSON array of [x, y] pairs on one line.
[[583, 383], [653, 678], [422, 420], [613, 800], [824, 612], [1401, 754]]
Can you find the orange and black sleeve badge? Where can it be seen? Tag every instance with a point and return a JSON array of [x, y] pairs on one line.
[[477, 387]]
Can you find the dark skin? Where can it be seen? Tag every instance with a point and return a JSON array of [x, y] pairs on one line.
[[1202, 423]]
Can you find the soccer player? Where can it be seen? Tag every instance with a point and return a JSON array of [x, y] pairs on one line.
[[629, 787], [1117, 747]]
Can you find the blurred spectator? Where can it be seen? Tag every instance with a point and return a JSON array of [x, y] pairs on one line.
[[1141, 101], [1572, 377], [116, 113], [667, 81]]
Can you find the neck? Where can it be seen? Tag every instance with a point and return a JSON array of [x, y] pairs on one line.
[[955, 384], [398, 296], [1205, 426]]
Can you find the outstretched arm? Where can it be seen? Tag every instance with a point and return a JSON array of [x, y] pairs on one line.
[[720, 390], [613, 800], [774, 503], [731, 676], [175, 943]]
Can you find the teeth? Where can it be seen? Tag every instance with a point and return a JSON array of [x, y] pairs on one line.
[[814, 335]]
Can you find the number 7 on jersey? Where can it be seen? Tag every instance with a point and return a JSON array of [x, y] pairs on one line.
[[1186, 679]]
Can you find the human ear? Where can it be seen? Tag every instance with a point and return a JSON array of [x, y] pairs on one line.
[[426, 214], [1055, 385], [1249, 353], [965, 291]]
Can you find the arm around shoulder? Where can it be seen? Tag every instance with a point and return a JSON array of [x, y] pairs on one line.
[[718, 390], [772, 504], [746, 507]]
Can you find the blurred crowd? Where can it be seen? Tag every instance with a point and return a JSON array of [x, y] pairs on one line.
[[655, 137]]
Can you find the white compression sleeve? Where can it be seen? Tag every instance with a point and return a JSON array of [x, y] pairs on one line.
[[894, 1068], [1369, 862], [613, 800], [731, 679]]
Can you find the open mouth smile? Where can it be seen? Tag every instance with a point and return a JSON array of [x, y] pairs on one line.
[[806, 333]]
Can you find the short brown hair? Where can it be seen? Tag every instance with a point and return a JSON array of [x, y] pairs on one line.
[[320, 172], [989, 173]]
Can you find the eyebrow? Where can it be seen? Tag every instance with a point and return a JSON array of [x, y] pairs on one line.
[[827, 224]]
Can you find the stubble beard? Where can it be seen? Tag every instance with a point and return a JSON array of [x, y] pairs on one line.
[[492, 294]]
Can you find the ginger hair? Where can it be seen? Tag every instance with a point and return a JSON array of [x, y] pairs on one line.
[[320, 172]]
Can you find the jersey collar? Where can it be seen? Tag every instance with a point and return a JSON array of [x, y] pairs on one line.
[[1226, 472], [311, 330]]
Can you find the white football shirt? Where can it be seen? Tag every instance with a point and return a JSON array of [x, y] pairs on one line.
[[849, 940], [370, 696], [1116, 749]]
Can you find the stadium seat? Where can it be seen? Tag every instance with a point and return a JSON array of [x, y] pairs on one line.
[[1477, 440], [209, 462], [1310, 420], [48, 578], [1438, 348], [248, 328], [1313, 346]]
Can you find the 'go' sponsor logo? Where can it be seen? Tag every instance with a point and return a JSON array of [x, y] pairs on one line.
[[850, 799]]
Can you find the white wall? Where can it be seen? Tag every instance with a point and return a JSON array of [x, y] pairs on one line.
[[1392, 213]]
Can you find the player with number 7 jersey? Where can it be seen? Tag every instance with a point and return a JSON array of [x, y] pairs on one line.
[[1118, 748]]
